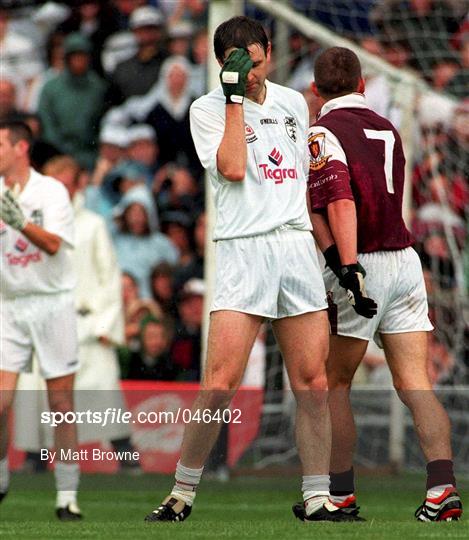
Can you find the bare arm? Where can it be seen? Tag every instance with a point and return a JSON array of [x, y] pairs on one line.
[[321, 231], [232, 152], [48, 242], [342, 218]]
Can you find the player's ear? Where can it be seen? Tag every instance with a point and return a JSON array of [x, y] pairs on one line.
[[314, 89], [361, 86], [23, 147], [269, 51]]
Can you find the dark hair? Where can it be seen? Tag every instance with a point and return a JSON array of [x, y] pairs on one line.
[[19, 130], [162, 269], [337, 72], [123, 223], [238, 32]]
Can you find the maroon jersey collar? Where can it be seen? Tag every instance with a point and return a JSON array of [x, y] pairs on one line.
[[350, 101]]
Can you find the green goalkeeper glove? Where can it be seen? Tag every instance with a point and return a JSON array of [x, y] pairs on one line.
[[10, 211], [233, 75]]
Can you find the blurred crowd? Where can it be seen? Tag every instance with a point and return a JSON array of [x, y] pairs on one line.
[[106, 87]]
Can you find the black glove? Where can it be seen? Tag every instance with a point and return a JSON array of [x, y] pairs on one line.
[[333, 261], [353, 281], [233, 75]]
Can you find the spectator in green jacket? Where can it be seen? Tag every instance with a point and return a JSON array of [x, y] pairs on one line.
[[71, 104]]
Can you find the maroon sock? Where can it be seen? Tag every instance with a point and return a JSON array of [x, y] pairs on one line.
[[440, 472], [342, 483]]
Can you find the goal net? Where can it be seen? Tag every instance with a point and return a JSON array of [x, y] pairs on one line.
[[415, 60]]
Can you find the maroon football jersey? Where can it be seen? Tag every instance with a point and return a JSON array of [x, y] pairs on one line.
[[364, 162]]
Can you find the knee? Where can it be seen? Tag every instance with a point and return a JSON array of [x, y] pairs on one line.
[[217, 399], [340, 382], [217, 392], [310, 383], [5, 406], [219, 381], [339, 379], [62, 404], [407, 386]]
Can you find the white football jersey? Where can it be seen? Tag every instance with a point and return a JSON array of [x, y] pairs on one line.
[[272, 193], [26, 269]]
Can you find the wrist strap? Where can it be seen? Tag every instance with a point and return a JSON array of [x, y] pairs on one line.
[[234, 100]]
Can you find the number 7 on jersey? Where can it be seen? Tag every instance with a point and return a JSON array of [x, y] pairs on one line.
[[388, 137]]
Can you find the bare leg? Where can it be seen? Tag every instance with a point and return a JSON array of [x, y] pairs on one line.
[[303, 341], [60, 393], [230, 340], [345, 356], [67, 471], [406, 354], [8, 382]]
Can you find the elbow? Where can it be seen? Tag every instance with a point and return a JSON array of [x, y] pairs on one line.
[[52, 247], [233, 175]]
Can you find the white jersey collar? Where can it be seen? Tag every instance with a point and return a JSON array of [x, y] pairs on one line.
[[33, 175], [349, 101], [268, 96]]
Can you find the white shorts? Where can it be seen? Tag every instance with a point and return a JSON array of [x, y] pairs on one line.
[[394, 279], [273, 275], [45, 324]]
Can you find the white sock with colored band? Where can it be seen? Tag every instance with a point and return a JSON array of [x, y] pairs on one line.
[[315, 490], [187, 480]]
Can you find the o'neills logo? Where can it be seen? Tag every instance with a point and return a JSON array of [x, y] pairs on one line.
[[23, 260], [278, 174]]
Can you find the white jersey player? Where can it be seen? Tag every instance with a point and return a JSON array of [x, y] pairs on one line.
[[37, 302], [251, 136]]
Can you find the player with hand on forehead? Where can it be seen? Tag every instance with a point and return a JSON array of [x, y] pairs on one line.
[[356, 183], [251, 137]]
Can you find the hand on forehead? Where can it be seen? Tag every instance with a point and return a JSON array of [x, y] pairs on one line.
[[254, 49]]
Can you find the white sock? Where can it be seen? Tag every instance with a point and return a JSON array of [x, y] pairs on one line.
[[67, 478], [187, 480], [315, 490], [4, 475], [437, 491]]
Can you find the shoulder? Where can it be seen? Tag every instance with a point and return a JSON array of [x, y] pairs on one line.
[[213, 101], [52, 83], [287, 94], [319, 131], [49, 187]]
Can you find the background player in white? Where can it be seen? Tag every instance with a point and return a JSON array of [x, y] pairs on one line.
[[37, 305], [356, 184], [250, 135], [100, 324]]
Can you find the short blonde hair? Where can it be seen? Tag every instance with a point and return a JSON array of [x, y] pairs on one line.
[[59, 164]]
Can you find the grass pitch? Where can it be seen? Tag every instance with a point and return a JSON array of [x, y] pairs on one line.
[[248, 507]]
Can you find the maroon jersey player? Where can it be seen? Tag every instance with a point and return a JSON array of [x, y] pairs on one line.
[[355, 188], [364, 163]]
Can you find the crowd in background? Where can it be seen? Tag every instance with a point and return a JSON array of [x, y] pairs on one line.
[[108, 84]]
